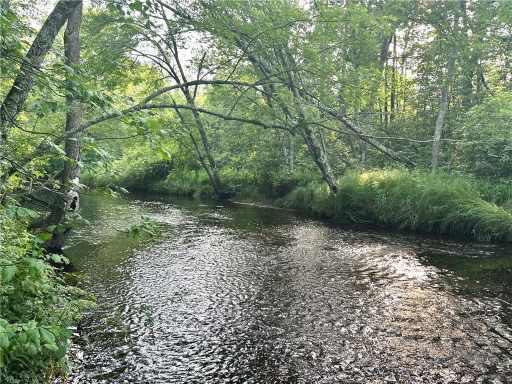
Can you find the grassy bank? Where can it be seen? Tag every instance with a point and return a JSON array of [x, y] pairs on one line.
[[416, 201], [412, 201]]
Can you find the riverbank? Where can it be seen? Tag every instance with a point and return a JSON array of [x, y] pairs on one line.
[[415, 201]]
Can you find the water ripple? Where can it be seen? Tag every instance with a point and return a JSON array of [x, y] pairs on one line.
[[251, 295]]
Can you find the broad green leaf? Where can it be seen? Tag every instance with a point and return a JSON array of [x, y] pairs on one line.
[[8, 273]]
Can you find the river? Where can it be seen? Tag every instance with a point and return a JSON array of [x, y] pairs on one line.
[[241, 294]]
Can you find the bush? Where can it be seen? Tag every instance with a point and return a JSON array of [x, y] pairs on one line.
[[37, 310]]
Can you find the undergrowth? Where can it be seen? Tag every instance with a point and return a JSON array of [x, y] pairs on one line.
[[37, 309]]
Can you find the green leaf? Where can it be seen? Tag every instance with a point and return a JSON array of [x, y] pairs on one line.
[[31, 349], [153, 124], [59, 259], [166, 155], [57, 148], [8, 273], [33, 335], [136, 6], [51, 347], [44, 236], [25, 213], [47, 337], [4, 341]]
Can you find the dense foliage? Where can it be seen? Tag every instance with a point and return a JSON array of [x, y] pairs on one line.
[[38, 311]]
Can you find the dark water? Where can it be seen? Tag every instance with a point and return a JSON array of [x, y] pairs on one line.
[[241, 294]]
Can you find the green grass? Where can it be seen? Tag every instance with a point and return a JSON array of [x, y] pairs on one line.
[[189, 183], [406, 200], [499, 193], [136, 178]]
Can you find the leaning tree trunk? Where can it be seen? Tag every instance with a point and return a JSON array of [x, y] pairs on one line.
[[319, 156], [203, 160], [443, 109], [316, 149], [69, 198], [15, 99], [209, 165]]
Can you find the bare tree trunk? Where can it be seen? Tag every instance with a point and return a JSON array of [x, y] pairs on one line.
[[70, 198], [443, 109], [383, 61], [209, 165], [363, 145], [314, 147], [316, 150], [71, 173], [15, 99], [212, 177], [205, 162], [292, 153], [394, 98], [206, 159], [319, 157]]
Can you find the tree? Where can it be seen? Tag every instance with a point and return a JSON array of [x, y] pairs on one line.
[[69, 198], [16, 97]]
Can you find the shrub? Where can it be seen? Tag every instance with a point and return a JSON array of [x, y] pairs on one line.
[[37, 310]]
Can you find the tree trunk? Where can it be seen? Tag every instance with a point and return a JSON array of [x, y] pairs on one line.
[[70, 198], [394, 98], [291, 163], [15, 99], [443, 109], [363, 145], [319, 156], [209, 165], [383, 61], [71, 173], [205, 162], [316, 149]]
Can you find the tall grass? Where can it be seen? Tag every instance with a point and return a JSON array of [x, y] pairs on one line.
[[499, 193], [406, 200]]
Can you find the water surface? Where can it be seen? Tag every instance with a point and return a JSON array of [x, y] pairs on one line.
[[238, 294]]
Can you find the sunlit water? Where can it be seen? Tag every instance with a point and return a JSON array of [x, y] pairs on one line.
[[238, 294]]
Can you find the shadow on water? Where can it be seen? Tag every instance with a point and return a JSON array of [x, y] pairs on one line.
[[240, 294]]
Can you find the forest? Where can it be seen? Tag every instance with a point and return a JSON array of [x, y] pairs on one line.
[[387, 114]]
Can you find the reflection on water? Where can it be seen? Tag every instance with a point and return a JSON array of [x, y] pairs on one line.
[[240, 294]]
